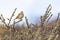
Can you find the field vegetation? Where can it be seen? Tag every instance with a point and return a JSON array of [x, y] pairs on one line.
[[45, 30]]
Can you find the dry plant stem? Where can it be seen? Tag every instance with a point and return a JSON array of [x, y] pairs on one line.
[[46, 15], [32, 25], [42, 22], [56, 37], [39, 32], [27, 22], [16, 22], [39, 29], [43, 19], [57, 17], [51, 35], [12, 15], [49, 17], [14, 25], [57, 26], [48, 10], [3, 20], [5, 24], [36, 34]]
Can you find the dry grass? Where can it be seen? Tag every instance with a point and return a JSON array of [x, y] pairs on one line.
[[49, 31]]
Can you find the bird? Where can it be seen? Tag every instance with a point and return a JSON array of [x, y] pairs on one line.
[[20, 15]]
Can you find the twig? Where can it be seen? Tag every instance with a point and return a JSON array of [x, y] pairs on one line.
[[27, 22], [12, 16]]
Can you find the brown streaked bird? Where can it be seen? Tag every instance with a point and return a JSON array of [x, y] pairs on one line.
[[20, 15]]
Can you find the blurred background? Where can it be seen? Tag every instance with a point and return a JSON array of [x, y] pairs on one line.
[[32, 9]]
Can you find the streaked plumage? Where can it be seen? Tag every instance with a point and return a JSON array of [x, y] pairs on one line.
[[20, 15]]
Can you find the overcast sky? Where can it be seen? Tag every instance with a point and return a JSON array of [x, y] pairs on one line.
[[33, 9]]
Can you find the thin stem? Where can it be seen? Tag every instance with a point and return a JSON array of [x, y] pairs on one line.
[[12, 16]]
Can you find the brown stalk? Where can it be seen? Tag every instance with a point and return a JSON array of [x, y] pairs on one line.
[[58, 17], [46, 15], [27, 22], [49, 18], [55, 28], [12, 16], [3, 20], [56, 37]]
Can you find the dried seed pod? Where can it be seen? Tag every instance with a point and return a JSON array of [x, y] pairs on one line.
[[47, 13]]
